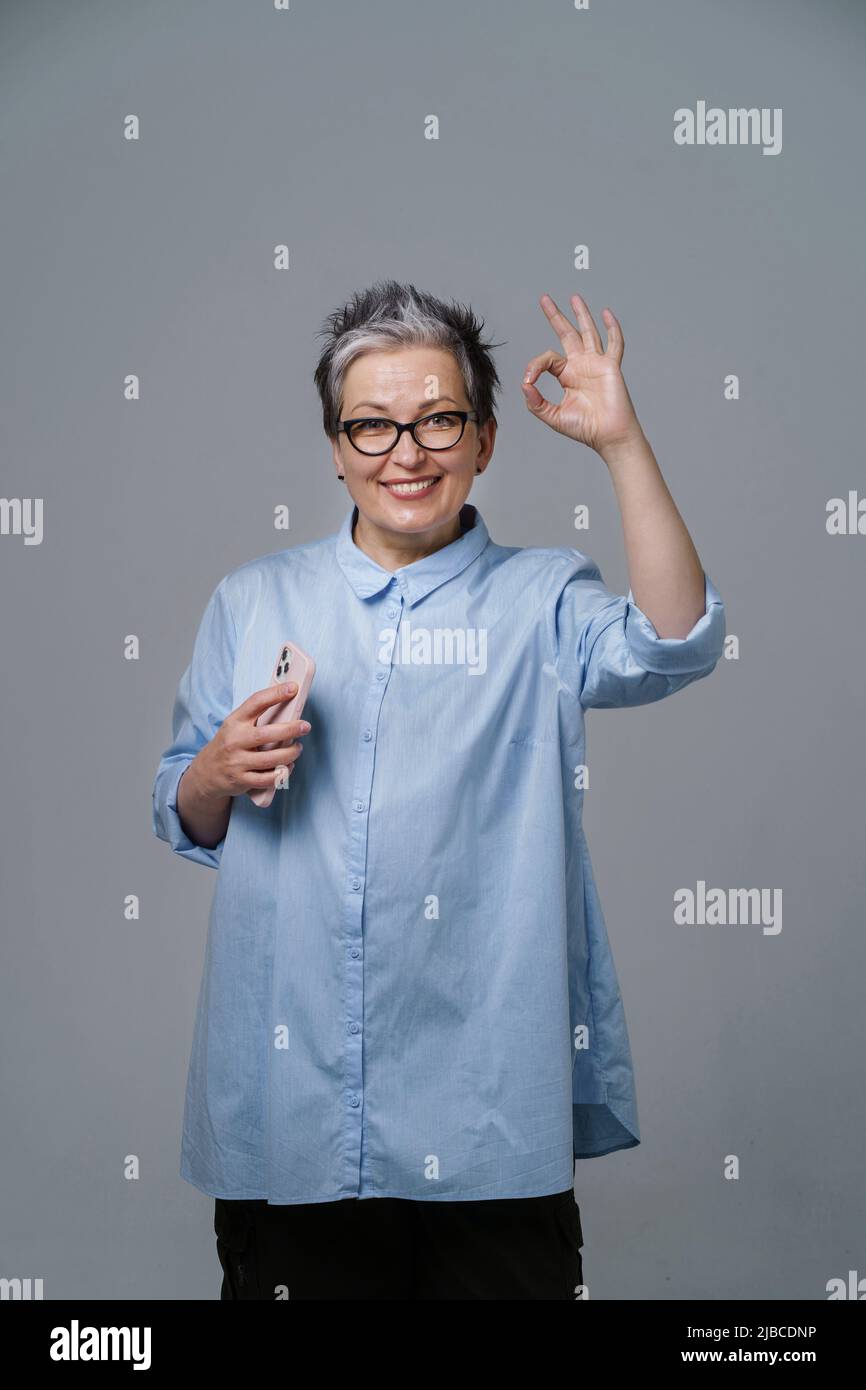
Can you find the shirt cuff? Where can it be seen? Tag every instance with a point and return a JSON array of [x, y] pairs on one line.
[[699, 650], [166, 820]]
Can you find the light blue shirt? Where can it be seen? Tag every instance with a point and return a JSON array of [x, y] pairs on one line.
[[408, 989]]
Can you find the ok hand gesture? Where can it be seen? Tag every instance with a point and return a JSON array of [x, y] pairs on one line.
[[596, 409]]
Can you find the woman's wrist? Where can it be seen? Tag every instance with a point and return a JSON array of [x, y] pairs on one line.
[[204, 815], [622, 452]]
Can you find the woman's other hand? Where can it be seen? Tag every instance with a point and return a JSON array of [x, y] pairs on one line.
[[234, 761]]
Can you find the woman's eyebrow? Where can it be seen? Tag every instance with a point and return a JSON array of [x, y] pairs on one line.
[[374, 405]]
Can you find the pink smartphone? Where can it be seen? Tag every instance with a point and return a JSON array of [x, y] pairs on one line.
[[292, 665]]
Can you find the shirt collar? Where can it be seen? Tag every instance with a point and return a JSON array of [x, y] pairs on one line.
[[419, 578]]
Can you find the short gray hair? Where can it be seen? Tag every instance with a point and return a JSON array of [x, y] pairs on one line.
[[389, 316]]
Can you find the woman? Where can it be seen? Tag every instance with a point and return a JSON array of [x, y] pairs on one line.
[[409, 1024]]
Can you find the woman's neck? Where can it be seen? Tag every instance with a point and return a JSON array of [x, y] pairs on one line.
[[393, 549]]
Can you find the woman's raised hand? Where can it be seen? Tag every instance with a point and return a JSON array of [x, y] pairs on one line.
[[596, 409]]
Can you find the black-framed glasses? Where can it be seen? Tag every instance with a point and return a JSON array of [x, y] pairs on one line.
[[441, 430]]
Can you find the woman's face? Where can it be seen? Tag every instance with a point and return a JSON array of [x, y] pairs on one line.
[[405, 385]]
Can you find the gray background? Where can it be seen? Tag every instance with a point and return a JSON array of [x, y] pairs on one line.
[[156, 257]]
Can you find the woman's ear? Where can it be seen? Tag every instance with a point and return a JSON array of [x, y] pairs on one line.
[[335, 449]]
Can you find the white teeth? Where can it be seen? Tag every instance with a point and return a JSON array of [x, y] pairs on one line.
[[410, 487]]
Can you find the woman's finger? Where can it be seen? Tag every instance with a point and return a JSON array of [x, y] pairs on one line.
[[261, 700], [262, 781], [563, 327], [273, 757], [615, 340], [544, 409], [549, 361], [586, 323], [276, 732]]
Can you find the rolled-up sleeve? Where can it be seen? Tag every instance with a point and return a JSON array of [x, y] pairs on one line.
[[609, 652], [203, 699]]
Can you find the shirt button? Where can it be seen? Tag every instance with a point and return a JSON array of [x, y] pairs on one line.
[[354, 1101], [356, 883], [380, 675], [359, 805], [354, 1027], [392, 612], [354, 953], [368, 734]]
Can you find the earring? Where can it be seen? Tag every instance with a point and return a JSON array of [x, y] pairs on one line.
[[341, 475]]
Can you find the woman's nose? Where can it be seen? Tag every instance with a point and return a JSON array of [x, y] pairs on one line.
[[406, 451]]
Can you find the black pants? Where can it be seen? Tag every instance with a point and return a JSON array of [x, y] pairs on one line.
[[391, 1247]]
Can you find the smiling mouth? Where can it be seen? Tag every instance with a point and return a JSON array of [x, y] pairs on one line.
[[411, 487]]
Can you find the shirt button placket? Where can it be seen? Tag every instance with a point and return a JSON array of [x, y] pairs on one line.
[[355, 1179]]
